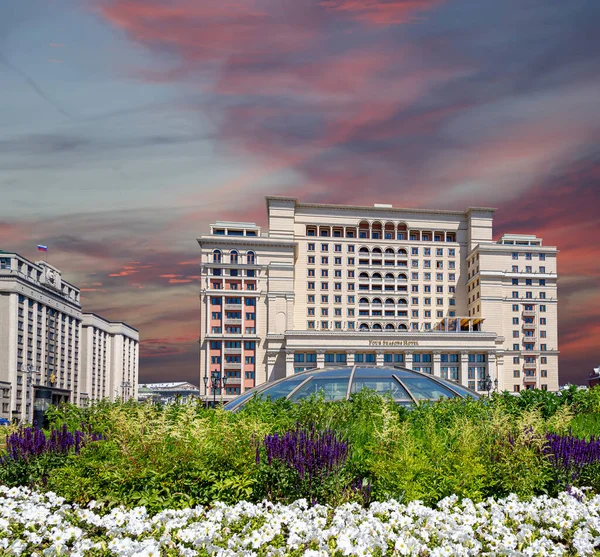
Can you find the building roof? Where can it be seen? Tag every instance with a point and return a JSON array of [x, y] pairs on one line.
[[178, 385]]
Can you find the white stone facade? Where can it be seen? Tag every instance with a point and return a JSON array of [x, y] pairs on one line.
[[332, 284], [40, 336], [110, 358]]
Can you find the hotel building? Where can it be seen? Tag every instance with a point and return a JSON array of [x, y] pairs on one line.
[[333, 285], [41, 332]]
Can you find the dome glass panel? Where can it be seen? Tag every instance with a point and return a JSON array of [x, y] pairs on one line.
[[407, 387]]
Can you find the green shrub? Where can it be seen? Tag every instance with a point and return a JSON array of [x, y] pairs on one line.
[[172, 456]]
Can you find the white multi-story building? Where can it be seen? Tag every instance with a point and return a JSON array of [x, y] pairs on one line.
[[333, 285], [110, 356], [40, 338]]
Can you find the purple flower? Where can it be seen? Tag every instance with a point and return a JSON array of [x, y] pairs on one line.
[[313, 454], [28, 442]]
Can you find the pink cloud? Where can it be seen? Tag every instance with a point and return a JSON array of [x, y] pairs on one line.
[[381, 12]]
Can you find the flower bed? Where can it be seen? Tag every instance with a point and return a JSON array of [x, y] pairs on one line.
[[43, 524]]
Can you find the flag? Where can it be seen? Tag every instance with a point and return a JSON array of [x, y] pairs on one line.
[[42, 248]]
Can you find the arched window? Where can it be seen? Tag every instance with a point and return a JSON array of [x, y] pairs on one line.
[[376, 251], [390, 252], [402, 252], [389, 327], [390, 302], [216, 256], [402, 276], [402, 327], [364, 230], [389, 276], [250, 258], [364, 327], [376, 276], [376, 301], [403, 302], [363, 251], [377, 327], [364, 276], [363, 301], [233, 257]]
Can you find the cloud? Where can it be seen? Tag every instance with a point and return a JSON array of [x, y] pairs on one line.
[[381, 12]]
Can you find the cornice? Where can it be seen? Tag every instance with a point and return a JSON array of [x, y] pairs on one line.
[[493, 247], [244, 241], [393, 336], [363, 208]]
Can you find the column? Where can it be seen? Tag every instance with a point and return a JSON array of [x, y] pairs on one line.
[[437, 363], [271, 359], [408, 360], [500, 372], [350, 357], [320, 358], [491, 368], [379, 357], [464, 368], [289, 363]]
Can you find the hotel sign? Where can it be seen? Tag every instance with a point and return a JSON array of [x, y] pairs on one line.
[[393, 343]]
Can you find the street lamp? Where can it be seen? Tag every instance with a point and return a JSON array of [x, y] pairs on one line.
[[489, 384], [216, 382], [124, 385]]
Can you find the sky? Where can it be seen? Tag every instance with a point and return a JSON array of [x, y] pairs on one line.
[[128, 126]]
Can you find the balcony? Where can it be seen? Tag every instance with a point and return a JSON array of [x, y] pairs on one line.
[[232, 350], [233, 306], [530, 339], [233, 321], [530, 378], [528, 313], [530, 365], [528, 326], [232, 365]]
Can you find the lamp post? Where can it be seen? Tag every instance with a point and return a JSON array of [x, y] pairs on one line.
[[216, 382], [124, 385], [489, 384]]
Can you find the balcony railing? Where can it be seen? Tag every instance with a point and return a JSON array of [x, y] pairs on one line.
[[233, 321], [530, 378], [232, 350], [528, 313], [528, 326], [232, 365], [529, 339], [233, 306]]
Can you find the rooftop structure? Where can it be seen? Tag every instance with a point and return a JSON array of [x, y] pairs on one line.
[[405, 386]]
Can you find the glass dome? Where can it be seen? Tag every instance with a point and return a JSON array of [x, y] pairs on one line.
[[407, 387]]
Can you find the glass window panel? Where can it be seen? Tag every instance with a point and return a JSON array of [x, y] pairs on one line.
[[423, 388], [462, 390], [333, 388], [381, 385], [283, 389]]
